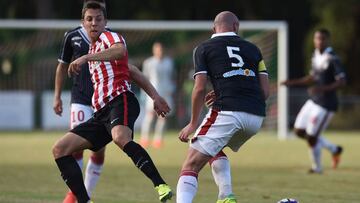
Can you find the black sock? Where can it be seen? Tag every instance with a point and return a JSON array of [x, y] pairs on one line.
[[143, 161], [71, 173]]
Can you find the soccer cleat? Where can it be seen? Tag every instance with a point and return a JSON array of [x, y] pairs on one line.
[[164, 192], [70, 198], [229, 199], [336, 157]]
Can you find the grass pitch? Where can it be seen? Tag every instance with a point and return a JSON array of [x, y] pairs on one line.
[[265, 170]]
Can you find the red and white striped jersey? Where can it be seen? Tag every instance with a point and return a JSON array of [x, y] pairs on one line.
[[110, 78]]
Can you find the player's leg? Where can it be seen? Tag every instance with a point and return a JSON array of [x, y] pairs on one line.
[[81, 113], [146, 126], [70, 170], [188, 180], [159, 132], [302, 119], [221, 171], [124, 113], [247, 125], [77, 115], [93, 170], [335, 150], [318, 120], [89, 135]]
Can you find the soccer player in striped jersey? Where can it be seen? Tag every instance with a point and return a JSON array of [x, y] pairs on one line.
[[326, 76], [239, 78], [76, 43], [116, 108]]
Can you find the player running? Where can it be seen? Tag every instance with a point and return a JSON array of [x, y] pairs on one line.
[[326, 76]]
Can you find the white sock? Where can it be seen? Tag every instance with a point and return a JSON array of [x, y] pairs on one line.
[[327, 144], [220, 168], [92, 175], [159, 128], [146, 126], [315, 156], [186, 188]]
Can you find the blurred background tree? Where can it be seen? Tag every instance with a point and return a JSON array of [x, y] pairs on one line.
[[342, 18]]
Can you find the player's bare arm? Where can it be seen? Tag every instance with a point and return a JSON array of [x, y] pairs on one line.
[[59, 80], [161, 107], [116, 51], [265, 85], [307, 80], [197, 100]]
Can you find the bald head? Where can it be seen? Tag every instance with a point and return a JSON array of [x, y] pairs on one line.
[[226, 21]]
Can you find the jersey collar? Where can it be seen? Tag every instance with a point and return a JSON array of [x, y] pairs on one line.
[[326, 50], [84, 34], [224, 34]]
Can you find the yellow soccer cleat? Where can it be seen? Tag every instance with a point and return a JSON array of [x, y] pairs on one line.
[[164, 192], [229, 199]]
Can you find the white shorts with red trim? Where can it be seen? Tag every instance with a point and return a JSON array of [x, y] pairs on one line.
[[225, 128], [79, 114], [313, 118]]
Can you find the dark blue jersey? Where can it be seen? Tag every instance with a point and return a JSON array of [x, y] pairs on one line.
[[233, 66], [76, 44], [326, 69]]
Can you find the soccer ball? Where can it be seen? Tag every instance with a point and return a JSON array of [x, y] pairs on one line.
[[287, 200]]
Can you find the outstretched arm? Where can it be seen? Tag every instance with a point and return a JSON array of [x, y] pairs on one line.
[[307, 80], [61, 70], [160, 105]]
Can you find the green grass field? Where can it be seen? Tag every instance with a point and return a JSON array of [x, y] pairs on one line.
[[265, 170]]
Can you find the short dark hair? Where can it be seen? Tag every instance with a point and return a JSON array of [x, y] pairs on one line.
[[324, 31], [101, 2], [93, 5]]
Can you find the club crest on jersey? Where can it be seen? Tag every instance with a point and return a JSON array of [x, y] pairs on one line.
[[244, 72]]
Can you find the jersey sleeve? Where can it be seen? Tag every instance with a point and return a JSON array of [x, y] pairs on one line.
[[339, 72], [199, 61], [66, 51], [112, 38], [262, 67]]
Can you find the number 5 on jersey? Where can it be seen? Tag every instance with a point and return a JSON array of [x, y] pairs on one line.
[[230, 51]]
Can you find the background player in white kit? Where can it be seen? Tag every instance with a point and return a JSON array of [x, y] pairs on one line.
[[159, 69], [326, 76]]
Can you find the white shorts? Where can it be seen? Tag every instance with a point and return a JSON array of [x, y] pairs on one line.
[[225, 128], [313, 118], [79, 114]]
